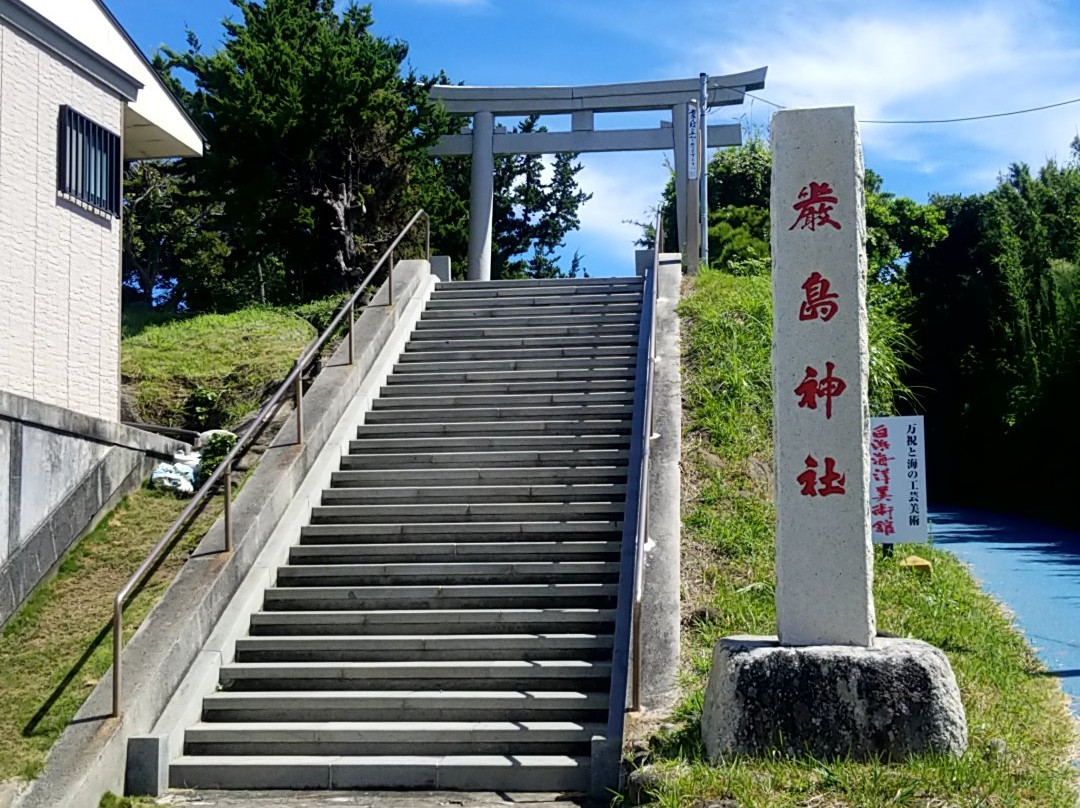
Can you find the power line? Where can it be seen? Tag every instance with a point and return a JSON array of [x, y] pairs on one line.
[[937, 120], [985, 117]]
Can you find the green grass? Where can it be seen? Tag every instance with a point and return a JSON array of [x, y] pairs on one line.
[[110, 800], [728, 583], [210, 370], [57, 647]]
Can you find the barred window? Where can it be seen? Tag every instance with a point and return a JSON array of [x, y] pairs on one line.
[[90, 162]]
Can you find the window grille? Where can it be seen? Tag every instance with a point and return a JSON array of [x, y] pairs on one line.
[[90, 162]]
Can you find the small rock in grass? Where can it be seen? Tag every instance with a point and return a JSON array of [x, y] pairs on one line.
[[996, 750], [705, 615], [641, 782]]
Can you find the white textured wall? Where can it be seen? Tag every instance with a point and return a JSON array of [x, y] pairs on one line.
[[59, 265]]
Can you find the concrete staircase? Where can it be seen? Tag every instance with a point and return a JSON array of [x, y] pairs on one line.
[[446, 619]]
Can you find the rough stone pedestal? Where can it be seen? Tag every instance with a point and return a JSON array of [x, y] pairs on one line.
[[896, 699]]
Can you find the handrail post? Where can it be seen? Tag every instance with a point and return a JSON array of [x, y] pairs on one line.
[[228, 510], [427, 238], [118, 647], [298, 396], [352, 331], [390, 283]]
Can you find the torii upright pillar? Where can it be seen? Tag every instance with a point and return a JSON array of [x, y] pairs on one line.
[[482, 203]]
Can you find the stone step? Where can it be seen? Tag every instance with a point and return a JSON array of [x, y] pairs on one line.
[[534, 674], [469, 511], [612, 297], [479, 443], [627, 330], [458, 573], [440, 596], [361, 705], [565, 427], [426, 532], [557, 369], [375, 737], [402, 648], [553, 286], [547, 306], [516, 346], [466, 401], [585, 355], [450, 772], [432, 621], [542, 321], [454, 551], [405, 495], [481, 477], [438, 389], [489, 459], [443, 414]]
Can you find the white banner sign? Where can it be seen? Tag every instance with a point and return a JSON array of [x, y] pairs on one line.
[[898, 480], [692, 141]]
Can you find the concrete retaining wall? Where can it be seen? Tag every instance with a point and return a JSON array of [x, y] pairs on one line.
[[89, 758], [59, 472], [660, 613]]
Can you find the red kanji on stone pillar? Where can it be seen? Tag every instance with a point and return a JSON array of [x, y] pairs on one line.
[[828, 388], [827, 484], [815, 202], [820, 302]]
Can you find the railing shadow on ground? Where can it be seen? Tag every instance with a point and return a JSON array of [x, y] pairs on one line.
[[31, 726]]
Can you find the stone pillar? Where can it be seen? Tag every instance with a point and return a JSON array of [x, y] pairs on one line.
[[482, 203], [824, 559], [826, 686]]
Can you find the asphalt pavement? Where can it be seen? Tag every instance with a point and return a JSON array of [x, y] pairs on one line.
[[1034, 569]]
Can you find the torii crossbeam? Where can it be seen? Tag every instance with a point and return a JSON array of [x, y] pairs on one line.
[[483, 142]]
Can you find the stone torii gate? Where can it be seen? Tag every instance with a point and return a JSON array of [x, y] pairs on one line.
[[484, 139]]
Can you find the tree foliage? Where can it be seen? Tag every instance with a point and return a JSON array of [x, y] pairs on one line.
[[172, 235], [314, 132], [317, 140], [997, 311]]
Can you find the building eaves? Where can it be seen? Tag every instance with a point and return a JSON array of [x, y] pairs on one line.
[[150, 67], [67, 47]]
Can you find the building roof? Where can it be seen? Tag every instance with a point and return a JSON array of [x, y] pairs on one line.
[[86, 32]]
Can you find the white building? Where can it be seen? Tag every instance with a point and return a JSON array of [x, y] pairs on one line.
[[77, 98]]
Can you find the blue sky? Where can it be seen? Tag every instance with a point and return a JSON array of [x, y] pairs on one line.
[[917, 59]]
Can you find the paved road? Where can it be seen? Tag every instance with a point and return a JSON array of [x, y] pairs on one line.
[[367, 799], [1032, 568]]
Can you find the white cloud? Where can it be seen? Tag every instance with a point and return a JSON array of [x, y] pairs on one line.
[[625, 186], [915, 60]]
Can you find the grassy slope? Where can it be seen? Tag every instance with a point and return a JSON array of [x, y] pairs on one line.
[[728, 582], [226, 359], [58, 646]]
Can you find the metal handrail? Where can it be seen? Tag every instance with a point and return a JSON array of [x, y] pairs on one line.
[[294, 381], [635, 519]]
